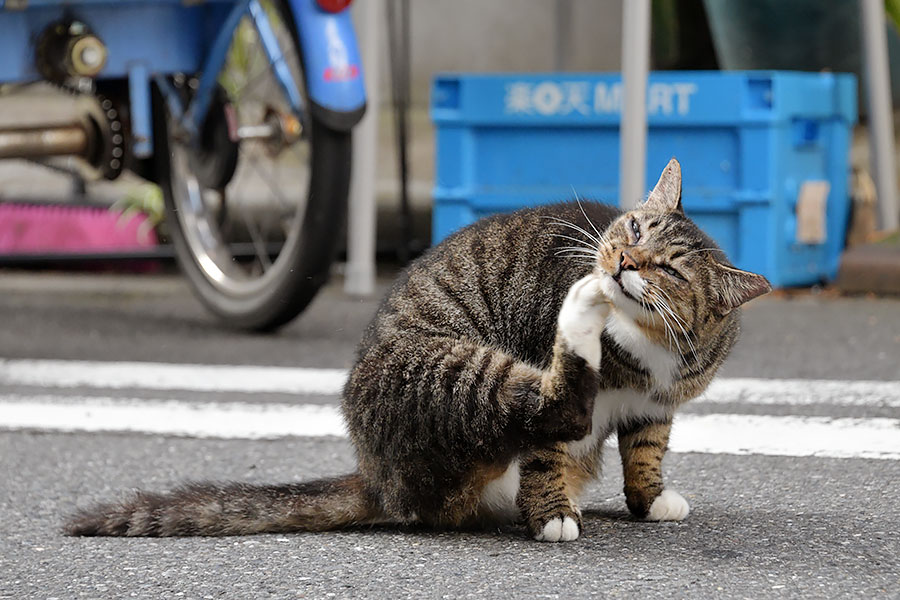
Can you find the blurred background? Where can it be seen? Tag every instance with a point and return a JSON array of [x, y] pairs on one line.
[[414, 41]]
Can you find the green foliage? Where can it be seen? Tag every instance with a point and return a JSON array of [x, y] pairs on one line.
[[892, 8], [246, 58], [145, 198]]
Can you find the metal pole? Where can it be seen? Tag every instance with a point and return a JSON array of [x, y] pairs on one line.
[[633, 132], [398, 46], [361, 219], [881, 118], [562, 55]]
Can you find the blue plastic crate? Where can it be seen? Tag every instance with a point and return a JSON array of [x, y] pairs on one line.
[[748, 143]]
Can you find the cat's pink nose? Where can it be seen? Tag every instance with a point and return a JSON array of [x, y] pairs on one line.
[[627, 262]]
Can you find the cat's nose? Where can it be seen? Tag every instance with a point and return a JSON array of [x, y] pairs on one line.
[[627, 262]]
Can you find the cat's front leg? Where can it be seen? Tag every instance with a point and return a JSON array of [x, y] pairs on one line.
[[642, 448], [547, 509], [568, 389]]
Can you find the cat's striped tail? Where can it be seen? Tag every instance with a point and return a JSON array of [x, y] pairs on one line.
[[204, 509]]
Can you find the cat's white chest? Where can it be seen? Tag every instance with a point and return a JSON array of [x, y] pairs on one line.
[[612, 407], [659, 362]]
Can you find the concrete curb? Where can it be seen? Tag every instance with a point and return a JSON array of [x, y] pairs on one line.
[[871, 268]]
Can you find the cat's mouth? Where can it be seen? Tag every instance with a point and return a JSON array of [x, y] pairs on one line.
[[618, 279], [617, 288]]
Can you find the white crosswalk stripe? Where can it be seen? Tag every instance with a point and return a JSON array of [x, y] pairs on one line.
[[165, 376], [716, 433]]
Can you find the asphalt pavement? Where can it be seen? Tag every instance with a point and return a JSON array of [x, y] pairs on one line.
[[763, 524]]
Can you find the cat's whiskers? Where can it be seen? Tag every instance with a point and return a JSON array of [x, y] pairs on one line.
[[652, 310], [668, 311], [581, 255], [580, 250], [580, 247], [670, 331], [587, 261], [581, 243], [667, 308], [676, 319], [582, 260], [586, 218], [598, 239], [579, 229]]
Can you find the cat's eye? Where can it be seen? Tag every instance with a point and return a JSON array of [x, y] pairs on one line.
[[635, 229], [670, 271]]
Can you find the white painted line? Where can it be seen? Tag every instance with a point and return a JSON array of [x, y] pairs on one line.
[[796, 392], [291, 380], [166, 376], [787, 436], [712, 434], [233, 420]]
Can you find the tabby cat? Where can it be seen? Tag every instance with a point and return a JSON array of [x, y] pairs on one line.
[[492, 374]]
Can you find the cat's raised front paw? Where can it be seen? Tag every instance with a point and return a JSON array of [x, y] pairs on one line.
[[582, 317], [668, 506]]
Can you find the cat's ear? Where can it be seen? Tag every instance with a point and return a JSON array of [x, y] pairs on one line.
[[735, 287], [666, 196]]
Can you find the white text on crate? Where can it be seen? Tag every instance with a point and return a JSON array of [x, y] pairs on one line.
[[553, 98]]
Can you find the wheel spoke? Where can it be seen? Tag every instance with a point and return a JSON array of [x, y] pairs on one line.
[[250, 82], [253, 163], [254, 78], [259, 246]]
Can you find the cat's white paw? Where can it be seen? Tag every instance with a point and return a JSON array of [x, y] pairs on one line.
[[559, 530], [582, 317], [668, 506]]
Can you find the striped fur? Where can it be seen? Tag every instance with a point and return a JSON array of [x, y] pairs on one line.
[[466, 392], [233, 509]]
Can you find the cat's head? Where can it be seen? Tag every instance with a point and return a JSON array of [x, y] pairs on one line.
[[658, 267]]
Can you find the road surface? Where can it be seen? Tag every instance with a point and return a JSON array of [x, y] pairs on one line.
[[791, 461]]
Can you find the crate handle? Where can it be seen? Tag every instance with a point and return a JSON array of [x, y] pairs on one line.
[[804, 132], [445, 94]]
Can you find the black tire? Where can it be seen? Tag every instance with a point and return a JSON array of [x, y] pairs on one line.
[[303, 265], [309, 265]]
